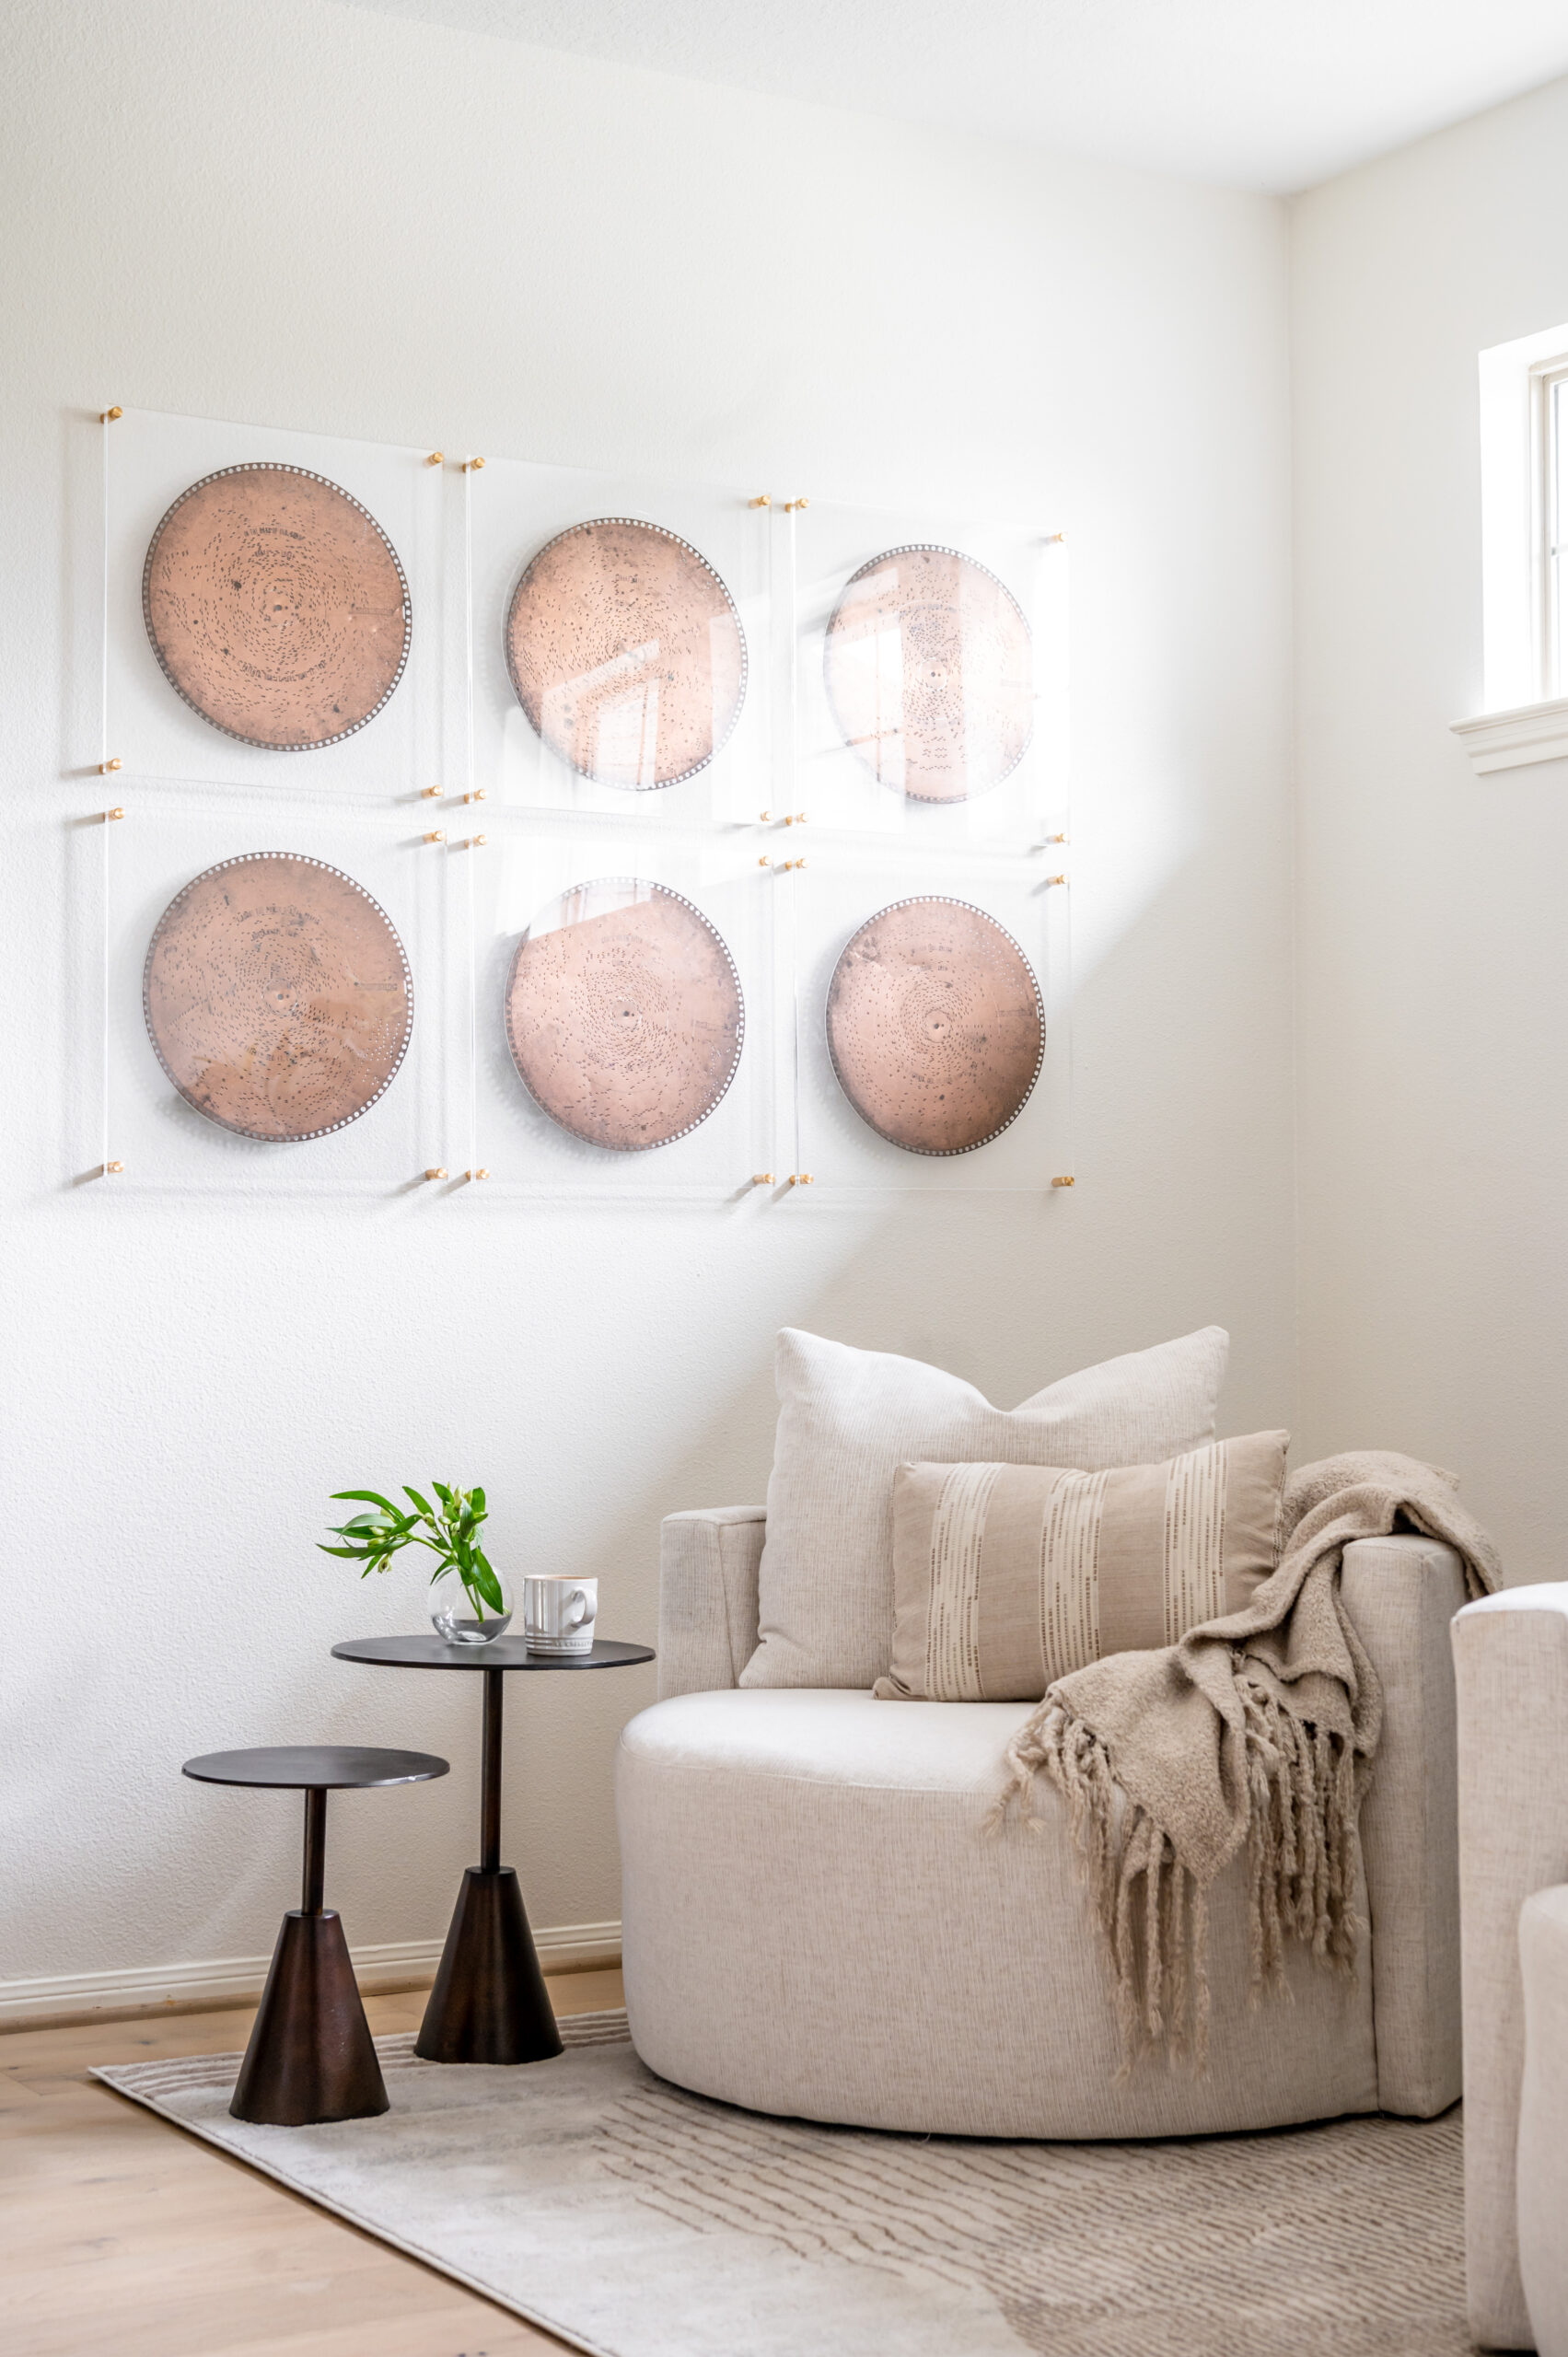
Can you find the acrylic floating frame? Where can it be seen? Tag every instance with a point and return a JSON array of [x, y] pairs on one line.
[[929, 665], [150, 1134], [635, 622], [174, 493], [655, 995], [1023, 909]]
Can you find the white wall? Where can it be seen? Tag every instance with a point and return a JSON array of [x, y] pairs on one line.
[[306, 216], [1433, 953]]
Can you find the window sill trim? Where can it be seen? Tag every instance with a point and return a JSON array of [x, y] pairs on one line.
[[1512, 740]]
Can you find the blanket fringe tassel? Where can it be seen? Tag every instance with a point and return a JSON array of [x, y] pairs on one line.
[[1304, 1791]]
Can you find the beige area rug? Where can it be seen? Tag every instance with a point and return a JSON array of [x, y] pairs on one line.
[[637, 2221]]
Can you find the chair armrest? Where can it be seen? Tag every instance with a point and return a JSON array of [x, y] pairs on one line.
[[707, 1596], [1401, 1591], [1511, 1658]]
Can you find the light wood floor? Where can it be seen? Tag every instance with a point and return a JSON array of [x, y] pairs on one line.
[[122, 2234]]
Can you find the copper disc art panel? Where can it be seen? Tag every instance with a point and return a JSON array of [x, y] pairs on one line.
[[277, 996], [626, 652], [936, 1026], [276, 607], [929, 672], [624, 1013]]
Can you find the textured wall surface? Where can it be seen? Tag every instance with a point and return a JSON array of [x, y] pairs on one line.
[[310, 216], [1434, 957]]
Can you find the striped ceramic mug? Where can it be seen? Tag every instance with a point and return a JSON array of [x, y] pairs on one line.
[[559, 1613]]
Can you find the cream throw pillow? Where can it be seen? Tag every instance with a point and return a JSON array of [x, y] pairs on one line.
[[847, 1419], [1008, 1577]]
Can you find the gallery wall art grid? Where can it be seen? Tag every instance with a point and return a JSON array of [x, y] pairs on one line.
[[651, 780]]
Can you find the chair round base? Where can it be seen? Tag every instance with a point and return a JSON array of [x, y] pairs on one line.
[[311, 2057]]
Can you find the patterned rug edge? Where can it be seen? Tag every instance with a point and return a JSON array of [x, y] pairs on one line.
[[608, 2028]]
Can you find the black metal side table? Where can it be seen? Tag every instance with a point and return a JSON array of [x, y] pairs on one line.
[[490, 2003], [310, 2055]]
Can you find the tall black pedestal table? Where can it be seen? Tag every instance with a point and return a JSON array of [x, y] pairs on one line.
[[490, 2003]]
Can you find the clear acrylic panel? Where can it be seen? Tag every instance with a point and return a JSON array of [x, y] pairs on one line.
[[336, 581], [278, 994], [626, 969], [620, 645], [933, 1023], [929, 668]]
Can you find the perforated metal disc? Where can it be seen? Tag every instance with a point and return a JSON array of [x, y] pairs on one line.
[[624, 1014], [936, 1026], [277, 996], [929, 670], [626, 652], [276, 607]]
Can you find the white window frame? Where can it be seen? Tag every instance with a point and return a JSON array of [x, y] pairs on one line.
[[1546, 461], [1524, 714]]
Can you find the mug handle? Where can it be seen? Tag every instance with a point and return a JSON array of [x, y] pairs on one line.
[[576, 1612]]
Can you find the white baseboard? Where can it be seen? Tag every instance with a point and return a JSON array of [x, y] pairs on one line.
[[237, 1979]]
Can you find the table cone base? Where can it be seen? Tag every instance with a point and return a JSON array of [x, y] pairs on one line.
[[310, 2055], [490, 2003]]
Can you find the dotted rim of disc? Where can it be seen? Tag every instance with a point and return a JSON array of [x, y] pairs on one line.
[[298, 859], [276, 466], [599, 883], [924, 548], [941, 900], [661, 531]]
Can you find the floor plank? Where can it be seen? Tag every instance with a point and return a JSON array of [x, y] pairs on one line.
[[126, 2235]]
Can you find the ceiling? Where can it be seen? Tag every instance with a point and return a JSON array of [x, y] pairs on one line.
[[1266, 94]]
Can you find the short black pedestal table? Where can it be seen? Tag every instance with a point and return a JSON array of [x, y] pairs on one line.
[[310, 2055], [489, 2003]]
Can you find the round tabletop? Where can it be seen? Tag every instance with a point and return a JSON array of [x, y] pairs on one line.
[[502, 1652], [315, 1767]]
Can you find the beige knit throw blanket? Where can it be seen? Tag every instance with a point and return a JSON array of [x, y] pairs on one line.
[[1259, 1727]]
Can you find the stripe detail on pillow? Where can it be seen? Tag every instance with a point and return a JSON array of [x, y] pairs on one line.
[[957, 1527], [1009, 1577]]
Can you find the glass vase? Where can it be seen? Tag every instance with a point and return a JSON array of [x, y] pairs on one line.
[[462, 1616]]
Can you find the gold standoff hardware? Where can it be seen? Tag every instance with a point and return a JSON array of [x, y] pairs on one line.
[[436, 1172], [106, 769], [763, 816], [1056, 540], [107, 417], [479, 794], [1058, 838], [476, 1174], [437, 835], [762, 1178], [1056, 879], [471, 466], [797, 821], [430, 792], [764, 861], [118, 812], [800, 1179], [111, 1169], [763, 499], [477, 842], [1063, 1182], [791, 505], [435, 457]]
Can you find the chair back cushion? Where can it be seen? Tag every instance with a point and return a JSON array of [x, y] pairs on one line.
[[848, 1418], [1008, 1577]]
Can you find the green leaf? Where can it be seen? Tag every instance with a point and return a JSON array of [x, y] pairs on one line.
[[354, 1554], [368, 1497], [483, 1578], [426, 1508], [477, 1497]]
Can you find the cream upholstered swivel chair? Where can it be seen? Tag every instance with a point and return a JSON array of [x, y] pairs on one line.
[[814, 1924]]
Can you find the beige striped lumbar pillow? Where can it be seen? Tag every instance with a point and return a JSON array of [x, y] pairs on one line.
[[1008, 1577]]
